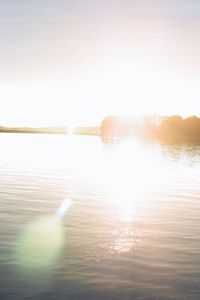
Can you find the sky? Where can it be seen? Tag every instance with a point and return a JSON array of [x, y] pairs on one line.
[[73, 62]]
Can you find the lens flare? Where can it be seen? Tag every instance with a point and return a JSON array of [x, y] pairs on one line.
[[62, 210], [39, 244], [41, 241]]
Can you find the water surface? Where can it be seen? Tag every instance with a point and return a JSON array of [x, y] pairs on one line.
[[130, 230]]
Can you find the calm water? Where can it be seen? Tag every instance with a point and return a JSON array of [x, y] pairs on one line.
[[128, 227]]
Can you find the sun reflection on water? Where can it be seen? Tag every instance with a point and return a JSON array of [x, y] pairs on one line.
[[129, 239], [129, 175], [126, 171]]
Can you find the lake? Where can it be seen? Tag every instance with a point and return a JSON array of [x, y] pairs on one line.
[[82, 219]]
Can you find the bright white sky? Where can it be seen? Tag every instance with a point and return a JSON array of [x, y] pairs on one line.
[[61, 103], [73, 62]]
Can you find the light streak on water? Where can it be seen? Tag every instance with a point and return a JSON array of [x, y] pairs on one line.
[[62, 210]]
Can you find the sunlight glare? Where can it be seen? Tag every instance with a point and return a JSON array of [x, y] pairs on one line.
[[131, 174]]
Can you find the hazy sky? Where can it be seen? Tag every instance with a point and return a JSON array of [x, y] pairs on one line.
[[74, 61]]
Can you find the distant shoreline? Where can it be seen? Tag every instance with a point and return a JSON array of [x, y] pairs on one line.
[[96, 131], [45, 130], [170, 129]]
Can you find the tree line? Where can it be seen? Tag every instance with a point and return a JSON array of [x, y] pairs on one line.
[[172, 129]]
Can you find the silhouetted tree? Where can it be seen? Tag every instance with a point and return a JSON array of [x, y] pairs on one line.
[[177, 129], [173, 129]]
